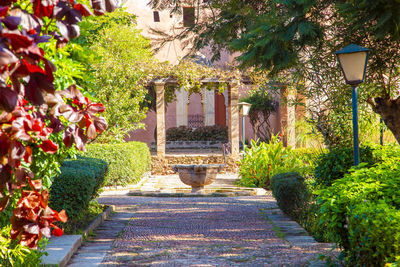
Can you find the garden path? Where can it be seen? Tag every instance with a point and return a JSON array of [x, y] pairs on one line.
[[198, 231]]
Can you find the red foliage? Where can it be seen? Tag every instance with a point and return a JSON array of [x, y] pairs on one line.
[[33, 218], [30, 109]]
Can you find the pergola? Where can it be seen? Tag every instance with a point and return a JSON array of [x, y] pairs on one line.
[[233, 111]]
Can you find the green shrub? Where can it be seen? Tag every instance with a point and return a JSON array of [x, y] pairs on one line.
[[205, 133], [295, 198], [79, 223], [364, 185], [97, 166], [210, 133], [311, 216], [386, 152], [264, 160], [13, 254], [72, 190], [336, 163], [290, 192], [374, 234], [309, 219], [181, 133], [127, 162]]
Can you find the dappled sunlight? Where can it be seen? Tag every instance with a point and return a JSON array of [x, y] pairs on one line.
[[215, 230], [188, 210], [237, 230]]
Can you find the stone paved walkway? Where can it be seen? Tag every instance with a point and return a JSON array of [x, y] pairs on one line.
[[201, 231]]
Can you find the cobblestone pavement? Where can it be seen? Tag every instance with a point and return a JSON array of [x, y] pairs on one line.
[[205, 231]]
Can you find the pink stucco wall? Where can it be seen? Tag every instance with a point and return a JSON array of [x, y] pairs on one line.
[[194, 107], [147, 135]]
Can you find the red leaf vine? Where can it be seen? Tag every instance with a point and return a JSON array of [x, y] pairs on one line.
[[31, 110]]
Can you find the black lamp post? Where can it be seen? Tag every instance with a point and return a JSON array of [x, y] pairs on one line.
[[353, 62]]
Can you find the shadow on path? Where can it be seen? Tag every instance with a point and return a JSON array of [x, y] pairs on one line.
[[225, 231]]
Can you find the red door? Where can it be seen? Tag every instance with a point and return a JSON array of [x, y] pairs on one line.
[[220, 109]]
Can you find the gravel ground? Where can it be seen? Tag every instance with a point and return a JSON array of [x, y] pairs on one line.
[[206, 231]]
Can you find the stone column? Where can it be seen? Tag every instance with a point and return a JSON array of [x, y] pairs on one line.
[[209, 109], [233, 116], [291, 119], [288, 117], [301, 106], [181, 107], [160, 115]]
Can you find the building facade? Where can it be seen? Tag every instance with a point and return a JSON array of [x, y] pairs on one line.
[[204, 109]]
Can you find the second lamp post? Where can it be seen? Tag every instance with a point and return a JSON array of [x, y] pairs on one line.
[[245, 111], [353, 62]]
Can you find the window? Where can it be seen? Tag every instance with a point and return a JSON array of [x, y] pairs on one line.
[[156, 16], [188, 16]]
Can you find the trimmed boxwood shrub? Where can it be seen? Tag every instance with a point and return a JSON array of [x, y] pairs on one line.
[[290, 192], [72, 190], [97, 166], [294, 197], [127, 162]]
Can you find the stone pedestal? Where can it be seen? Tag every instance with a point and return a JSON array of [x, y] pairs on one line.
[[197, 176]]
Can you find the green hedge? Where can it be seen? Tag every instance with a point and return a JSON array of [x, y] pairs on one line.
[[205, 133], [127, 162], [374, 234], [290, 192], [361, 212], [98, 167], [337, 162], [72, 190]]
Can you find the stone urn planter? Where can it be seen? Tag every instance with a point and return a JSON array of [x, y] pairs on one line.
[[197, 176]]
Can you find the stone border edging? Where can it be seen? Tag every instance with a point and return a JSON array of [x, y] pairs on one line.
[[293, 232], [101, 218], [61, 249]]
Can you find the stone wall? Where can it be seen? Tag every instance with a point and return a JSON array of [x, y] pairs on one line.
[[161, 165]]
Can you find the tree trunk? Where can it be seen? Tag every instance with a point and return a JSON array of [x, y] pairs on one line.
[[389, 109]]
